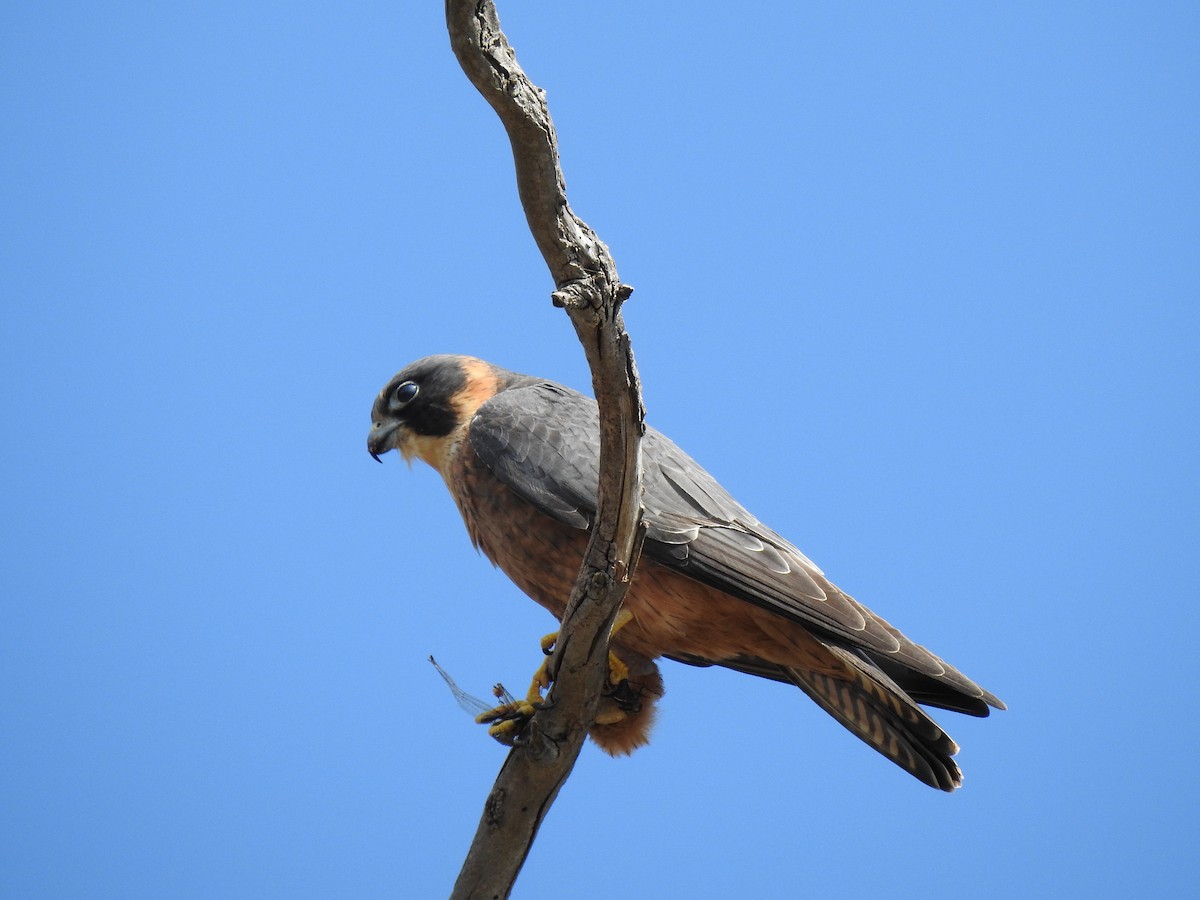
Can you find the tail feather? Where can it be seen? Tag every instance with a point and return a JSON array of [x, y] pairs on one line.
[[868, 703]]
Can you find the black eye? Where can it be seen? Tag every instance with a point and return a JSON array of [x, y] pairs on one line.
[[405, 392]]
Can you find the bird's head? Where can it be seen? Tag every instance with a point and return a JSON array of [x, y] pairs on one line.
[[423, 406]]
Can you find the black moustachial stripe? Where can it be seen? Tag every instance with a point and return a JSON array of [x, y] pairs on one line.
[[432, 412]]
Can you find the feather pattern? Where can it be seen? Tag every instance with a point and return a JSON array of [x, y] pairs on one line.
[[541, 441]]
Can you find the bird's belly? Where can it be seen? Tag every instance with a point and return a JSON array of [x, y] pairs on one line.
[[672, 614]]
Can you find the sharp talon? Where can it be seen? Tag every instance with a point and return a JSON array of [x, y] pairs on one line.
[[506, 721], [507, 732]]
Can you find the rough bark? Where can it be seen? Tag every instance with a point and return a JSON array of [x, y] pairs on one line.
[[588, 288]]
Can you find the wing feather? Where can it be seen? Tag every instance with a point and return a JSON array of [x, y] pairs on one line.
[[542, 440]]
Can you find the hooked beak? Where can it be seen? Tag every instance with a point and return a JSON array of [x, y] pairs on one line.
[[379, 439]]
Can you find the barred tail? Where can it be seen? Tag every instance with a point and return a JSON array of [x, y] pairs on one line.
[[873, 707]]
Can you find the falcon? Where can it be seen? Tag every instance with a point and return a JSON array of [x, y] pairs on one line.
[[715, 587]]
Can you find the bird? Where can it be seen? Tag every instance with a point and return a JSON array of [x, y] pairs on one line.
[[520, 456]]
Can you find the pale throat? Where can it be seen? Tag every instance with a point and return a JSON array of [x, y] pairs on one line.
[[436, 451], [439, 451]]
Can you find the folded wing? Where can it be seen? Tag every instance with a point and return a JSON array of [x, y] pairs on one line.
[[542, 440]]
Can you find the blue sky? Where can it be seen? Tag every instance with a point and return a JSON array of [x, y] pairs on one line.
[[918, 282]]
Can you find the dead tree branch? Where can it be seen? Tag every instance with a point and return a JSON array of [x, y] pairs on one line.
[[587, 286]]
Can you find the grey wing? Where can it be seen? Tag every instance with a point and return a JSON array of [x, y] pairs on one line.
[[543, 442]]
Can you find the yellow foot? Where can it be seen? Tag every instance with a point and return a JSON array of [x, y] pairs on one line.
[[617, 670], [540, 684], [506, 721]]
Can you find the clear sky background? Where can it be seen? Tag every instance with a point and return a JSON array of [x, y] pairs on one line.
[[918, 282]]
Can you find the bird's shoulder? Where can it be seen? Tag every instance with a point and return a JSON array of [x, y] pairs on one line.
[[541, 439]]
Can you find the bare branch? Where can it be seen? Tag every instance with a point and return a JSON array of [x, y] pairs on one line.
[[587, 285]]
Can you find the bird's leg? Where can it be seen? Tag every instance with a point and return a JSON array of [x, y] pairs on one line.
[[507, 720], [617, 670]]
